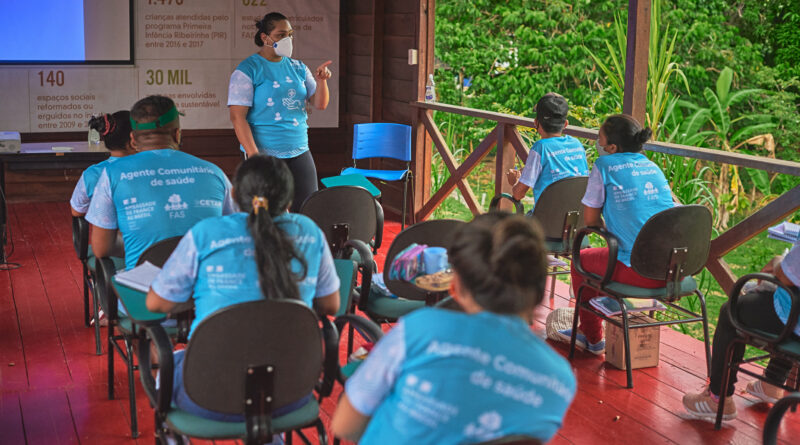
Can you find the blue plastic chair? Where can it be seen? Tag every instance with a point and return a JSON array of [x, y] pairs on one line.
[[382, 140]]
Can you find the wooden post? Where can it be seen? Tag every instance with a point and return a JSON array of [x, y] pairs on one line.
[[376, 104], [421, 160], [636, 60], [504, 161]]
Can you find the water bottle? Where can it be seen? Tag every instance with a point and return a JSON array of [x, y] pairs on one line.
[[94, 136], [430, 89]]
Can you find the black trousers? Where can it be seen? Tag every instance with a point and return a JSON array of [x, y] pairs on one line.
[[304, 173], [757, 311]]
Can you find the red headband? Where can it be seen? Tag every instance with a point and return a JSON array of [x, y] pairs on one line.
[[110, 126]]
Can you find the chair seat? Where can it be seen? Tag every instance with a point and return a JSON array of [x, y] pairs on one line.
[[350, 368], [791, 346], [556, 246], [125, 325], [688, 286], [381, 306], [119, 263], [353, 180], [384, 175], [195, 426]]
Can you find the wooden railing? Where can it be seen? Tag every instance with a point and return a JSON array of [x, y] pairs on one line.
[[509, 144]]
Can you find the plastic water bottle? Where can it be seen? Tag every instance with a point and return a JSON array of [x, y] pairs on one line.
[[430, 89], [94, 136]]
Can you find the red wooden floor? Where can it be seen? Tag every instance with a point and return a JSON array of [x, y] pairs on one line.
[[53, 386]]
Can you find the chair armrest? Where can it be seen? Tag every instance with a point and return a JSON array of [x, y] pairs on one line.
[[183, 313], [160, 398], [366, 268], [330, 364], [379, 227], [104, 273], [613, 247], [495, 202], [80, 237], [791, 322], [775, 415], [368, 329]]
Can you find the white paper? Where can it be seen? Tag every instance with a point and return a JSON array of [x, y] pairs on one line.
[[139, 277]]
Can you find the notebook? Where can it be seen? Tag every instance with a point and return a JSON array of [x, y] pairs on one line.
[[609, 306], [139, 277]]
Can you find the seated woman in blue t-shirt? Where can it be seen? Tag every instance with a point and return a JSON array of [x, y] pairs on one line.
[[441, 376], [261, 252], [627, 189]]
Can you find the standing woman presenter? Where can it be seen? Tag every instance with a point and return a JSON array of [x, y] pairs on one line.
[[267, 98]]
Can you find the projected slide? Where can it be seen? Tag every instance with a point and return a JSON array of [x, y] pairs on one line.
[[68, 31]]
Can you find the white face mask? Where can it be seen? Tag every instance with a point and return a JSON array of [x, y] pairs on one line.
[[283, 47], [601, 151]]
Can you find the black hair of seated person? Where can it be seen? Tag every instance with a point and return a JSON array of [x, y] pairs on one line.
[[114, 129], [267, 177], [626, 132], [266, 25], [501, 260]]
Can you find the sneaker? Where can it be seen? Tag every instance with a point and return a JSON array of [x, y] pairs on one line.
[[703, 406], [103, 319], [764, 391], [582, 343]]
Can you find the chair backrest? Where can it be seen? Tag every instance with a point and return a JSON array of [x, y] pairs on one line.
[[559, 209], [494, 204], [382, 140], [680, 236], [158, 253], [80, 237], [438, 232], [349, 205], [284, 335], [513, 440], [347, 270]]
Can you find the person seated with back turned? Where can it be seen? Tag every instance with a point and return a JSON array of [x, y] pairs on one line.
[[115, 130], [441, 376], [627, 189], [553, 157], [262, 252], [764, 308], [157, 193]]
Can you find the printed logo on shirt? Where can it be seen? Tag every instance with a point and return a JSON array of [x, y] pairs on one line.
[[275, 84], [650, 191], [295, 123], [211, 203], [278, 116], [270, 102], [423, 407], [486, 428], [289, 80], [219, 279], [135, 210], [129, 201], [290, 102], [175, 206]]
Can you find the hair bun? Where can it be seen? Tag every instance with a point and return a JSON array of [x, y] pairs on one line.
[[644, 135], [98, 123]]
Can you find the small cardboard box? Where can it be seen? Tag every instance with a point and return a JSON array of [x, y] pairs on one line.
[[9, 142], [644, 343]]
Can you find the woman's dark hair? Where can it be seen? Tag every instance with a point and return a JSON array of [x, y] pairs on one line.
[[267, 180], [626, 132], [115, 129], [266, 25], [500, 258]]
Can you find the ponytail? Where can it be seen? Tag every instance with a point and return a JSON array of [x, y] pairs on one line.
[[626, 132], [114, 129], [264, 188]]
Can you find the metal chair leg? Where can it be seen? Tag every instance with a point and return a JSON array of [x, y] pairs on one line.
[[321, 433], [96, 318], [627, 341], [86, 315], [730, 369], [705, 331], [773, 422], [132, 390], [405, 204], [110, 361], [575, 324]]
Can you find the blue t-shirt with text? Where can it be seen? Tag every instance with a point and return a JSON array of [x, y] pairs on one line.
[[157, 194], [84, 189], [441, 376], [215, 264], [633, 190], [552, 159], [790, 265], [276, 93]]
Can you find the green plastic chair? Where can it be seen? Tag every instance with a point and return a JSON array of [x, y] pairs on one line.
[[240, 360], [672, 246], [785, 345]]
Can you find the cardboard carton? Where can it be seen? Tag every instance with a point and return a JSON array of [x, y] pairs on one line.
[[644, 343]]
